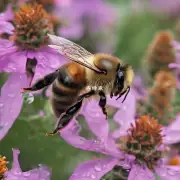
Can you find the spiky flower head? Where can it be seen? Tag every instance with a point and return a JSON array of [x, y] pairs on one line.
[[32, 24], [161, 96], [143, 139], [177, 30], [3, 167], [160, 53]]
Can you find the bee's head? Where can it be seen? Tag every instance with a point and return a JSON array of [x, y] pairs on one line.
[[123, 79]]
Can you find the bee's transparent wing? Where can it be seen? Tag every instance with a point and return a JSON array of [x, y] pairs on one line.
[[72, 51]]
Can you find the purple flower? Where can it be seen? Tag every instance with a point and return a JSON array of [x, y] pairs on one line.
[[5, 26], [106, 143], [79, 17], [26, 60], [40, 173]]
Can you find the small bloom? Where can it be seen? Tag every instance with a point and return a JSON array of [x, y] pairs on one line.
[[160, 53], [136, 152], [80, 20], [27, 58], [141, 140], [162, 95], [40, 173]]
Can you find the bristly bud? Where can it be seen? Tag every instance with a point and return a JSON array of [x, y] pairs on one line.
[[3, 167], [32, 24], [143, 139], [160, 53], [162, 95], [177, 30]]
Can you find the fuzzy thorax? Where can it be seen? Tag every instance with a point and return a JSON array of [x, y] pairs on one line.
[[108, 63], [103, 62], [32, 24]]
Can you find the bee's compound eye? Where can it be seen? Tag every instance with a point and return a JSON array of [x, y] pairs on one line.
[[120, 74]]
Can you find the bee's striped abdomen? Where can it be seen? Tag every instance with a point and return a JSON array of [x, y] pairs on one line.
[[67, 86]]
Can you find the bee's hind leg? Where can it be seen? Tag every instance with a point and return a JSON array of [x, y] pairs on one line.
[[66, 117], [40, 84], [102, 103]]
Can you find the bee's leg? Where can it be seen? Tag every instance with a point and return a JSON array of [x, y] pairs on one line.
[[40, 84], [66, 117], [121, 94], [102, 103], [127, 92]]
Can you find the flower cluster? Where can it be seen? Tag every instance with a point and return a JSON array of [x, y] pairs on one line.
[[135, 142], [139, 150], [27, 57]]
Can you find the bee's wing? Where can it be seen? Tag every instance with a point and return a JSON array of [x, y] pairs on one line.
[[72, 51]]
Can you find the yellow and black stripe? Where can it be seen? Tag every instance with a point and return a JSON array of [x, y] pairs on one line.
[[66, 88]]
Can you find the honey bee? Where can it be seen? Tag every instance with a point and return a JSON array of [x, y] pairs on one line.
[[101, 73]]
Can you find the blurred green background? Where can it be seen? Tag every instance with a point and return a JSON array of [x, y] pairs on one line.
[[135, 31]]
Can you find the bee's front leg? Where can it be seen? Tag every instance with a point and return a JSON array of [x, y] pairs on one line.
[[66, 117], [102, 103], [40, 84], [126, 92]]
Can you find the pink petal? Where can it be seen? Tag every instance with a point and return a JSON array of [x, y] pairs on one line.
[[6, 27], [125, 116], [95, 119], [63, 3], [172, 132], [106, 146], [168, 172], [6, 48], [8, 14], [40, 173], [73, 31], [11, 101], [17, 62], [93, 169], [174, 65], [139, 172], [48, 60]]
